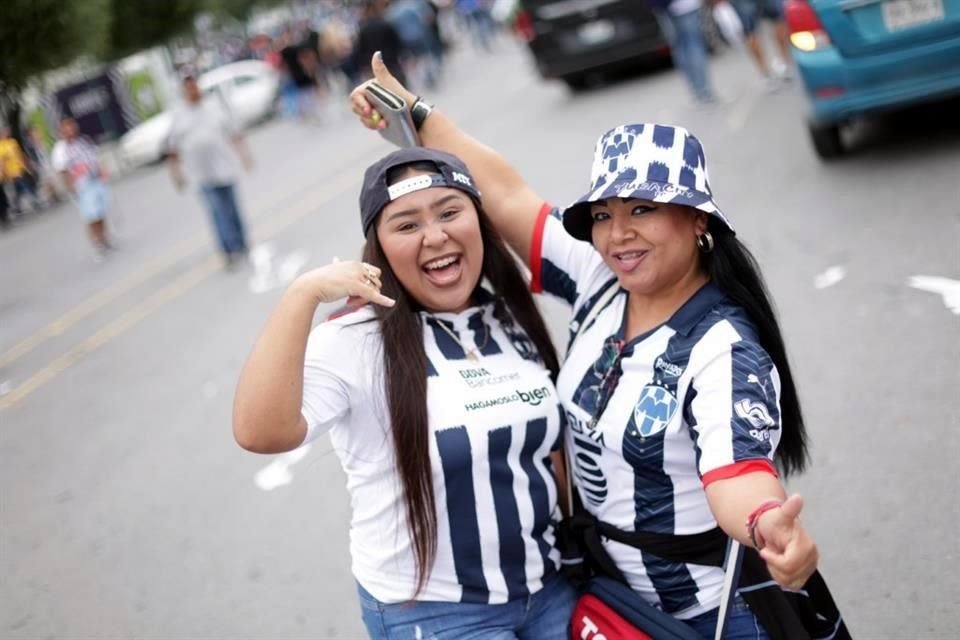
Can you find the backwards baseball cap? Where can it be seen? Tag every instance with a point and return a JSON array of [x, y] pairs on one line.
[[649, 161], [376, 193]]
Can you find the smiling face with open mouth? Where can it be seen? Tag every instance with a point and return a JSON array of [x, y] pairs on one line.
[[431, 238], [650, 246]]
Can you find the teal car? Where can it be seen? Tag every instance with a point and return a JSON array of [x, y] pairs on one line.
[[858, 57]]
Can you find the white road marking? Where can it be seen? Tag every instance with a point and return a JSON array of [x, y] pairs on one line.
[[271, 271], [291, 265], [830, 277], [277, 473], [6, 387], [261, 257], [742, 109], [949, 289]]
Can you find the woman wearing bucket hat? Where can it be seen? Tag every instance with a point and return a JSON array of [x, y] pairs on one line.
[[680, 404], [440, 403]]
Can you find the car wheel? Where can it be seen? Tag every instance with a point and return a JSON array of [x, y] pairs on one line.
[[826, 139], [577, 82]]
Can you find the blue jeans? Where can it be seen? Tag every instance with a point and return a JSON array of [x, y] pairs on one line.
[[24, 186], [741, 623], [545, 615], [222, 202], [689, 49]]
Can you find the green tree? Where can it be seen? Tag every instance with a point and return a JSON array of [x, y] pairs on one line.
[[136, 25], [40, 35]]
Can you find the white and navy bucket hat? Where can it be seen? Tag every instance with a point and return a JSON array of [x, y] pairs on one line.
[[656, 162]]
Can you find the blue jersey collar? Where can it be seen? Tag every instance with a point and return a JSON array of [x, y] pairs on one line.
[[696, 308]]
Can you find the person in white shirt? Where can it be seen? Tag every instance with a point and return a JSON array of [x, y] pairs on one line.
[[203, 146], [682, 24], [440, 403], [75, 158], [680, 407]]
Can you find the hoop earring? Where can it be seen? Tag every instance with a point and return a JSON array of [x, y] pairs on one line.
[[705, 242]]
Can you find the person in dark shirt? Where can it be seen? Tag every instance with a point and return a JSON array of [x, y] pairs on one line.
[[292, 62], [376, 34], [301, 63]]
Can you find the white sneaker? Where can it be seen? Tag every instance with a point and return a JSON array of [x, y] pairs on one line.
[[771, 84]]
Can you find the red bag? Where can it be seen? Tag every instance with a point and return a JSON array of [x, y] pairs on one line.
[[594, 620], [610, 610]]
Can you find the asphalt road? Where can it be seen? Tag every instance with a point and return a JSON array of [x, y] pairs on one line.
[[127, 511]]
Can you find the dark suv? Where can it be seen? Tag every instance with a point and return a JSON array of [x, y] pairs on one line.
[[570, 39]]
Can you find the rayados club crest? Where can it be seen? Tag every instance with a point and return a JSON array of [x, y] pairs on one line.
[[654, 410]]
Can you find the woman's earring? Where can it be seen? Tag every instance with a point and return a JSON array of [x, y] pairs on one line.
[[705, 242]]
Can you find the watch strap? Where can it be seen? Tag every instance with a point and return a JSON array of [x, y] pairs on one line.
[[419, 112]]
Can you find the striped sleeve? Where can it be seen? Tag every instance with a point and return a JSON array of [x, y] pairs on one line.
[[562, 266], [733, 406]]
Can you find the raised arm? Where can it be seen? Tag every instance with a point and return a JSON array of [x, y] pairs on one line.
[[509, 201], [267, 405]]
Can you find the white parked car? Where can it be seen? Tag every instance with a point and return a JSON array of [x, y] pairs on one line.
[[248, 88]]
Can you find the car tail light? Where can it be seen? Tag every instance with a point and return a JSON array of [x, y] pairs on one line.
[[523, 24], [806, 31]]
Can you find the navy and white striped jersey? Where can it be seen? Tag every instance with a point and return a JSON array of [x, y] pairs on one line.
[[493, 423], [697, 400]]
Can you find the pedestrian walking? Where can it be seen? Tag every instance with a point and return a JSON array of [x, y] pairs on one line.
[[43, 177], [412, 21], [301, 66], [203, 147], [476, 15], [751, 12], [374, 34], [440, 401], [75, 158], [680, 406], [681, 22], [17, 171], [336, 50]]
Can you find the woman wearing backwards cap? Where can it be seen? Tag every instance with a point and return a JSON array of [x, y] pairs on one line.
[[680, 402], [440, 403]]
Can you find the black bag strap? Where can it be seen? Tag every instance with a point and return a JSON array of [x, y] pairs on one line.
[[707, 548], [809, 612], [711, 548]]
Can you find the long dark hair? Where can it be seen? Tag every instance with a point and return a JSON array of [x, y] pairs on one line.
[[735, 271], [405, 373]]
